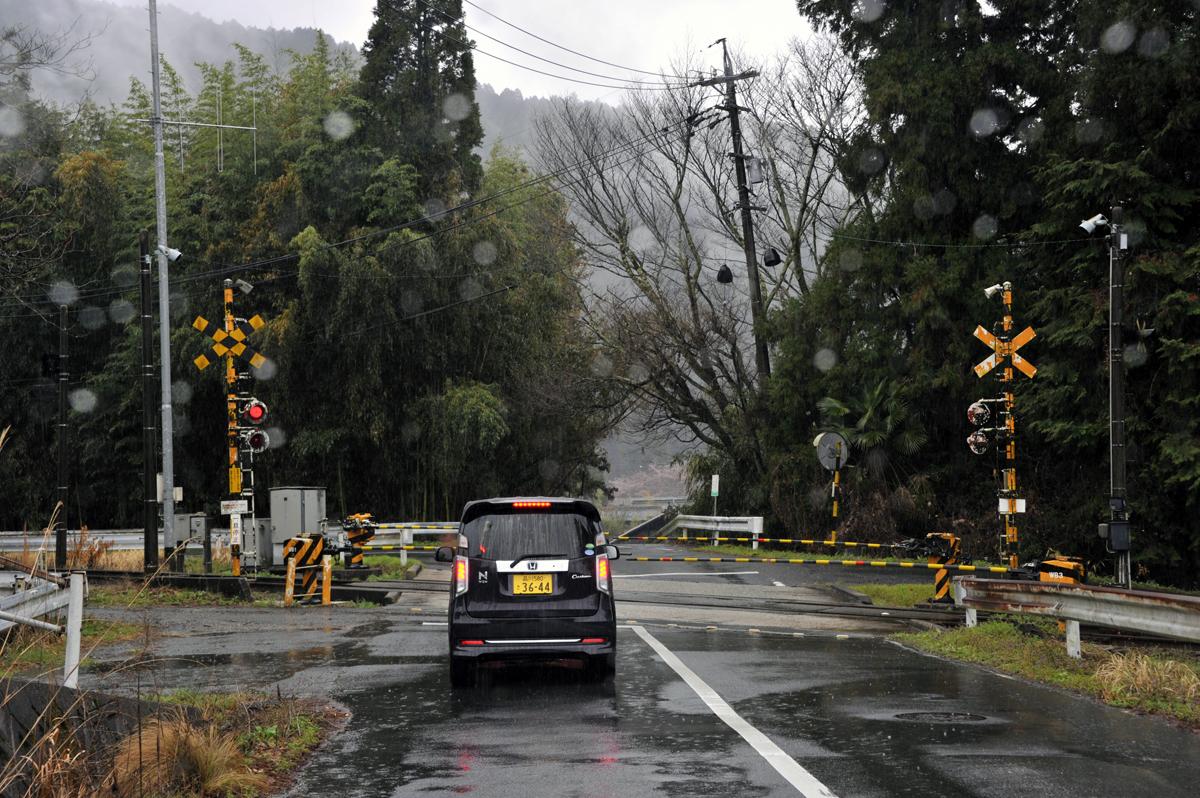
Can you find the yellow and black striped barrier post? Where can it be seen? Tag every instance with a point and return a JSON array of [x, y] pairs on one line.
[[303, 554], [360, 530], [991, 569], [947, 556]]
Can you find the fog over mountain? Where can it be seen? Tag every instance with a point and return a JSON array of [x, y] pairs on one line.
[[116, 49]]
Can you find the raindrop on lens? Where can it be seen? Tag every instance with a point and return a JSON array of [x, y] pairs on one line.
[[870, 161], [1089, 131], [1136, 355], [12, 122], [182, 426], [944, 202], [411, 302], [1117, 37], [339, 126], [410, 431], [851, 260], [825, 359], [179, 305], [434, 207], [548, 468], [92, 317], [1030, 130], [266, 371], [1154, 43], [641, 239], [923, 208], [868, 10], [121, 311], [985, 227], [277, 437], [63, 292], [602, 365], [125, 275], [984, 122], [484, 253], [181, 392], [469, 289], [82, 400], [456, 107]]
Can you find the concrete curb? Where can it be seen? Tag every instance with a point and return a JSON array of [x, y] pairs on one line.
[[850, 595]]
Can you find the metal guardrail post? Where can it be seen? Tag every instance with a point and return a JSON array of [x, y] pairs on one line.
[[289, 583], [1073, 647], [326, 579], [74, 629], [406, 539], [756, 528]]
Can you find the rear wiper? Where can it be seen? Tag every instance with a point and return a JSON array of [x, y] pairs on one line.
[[513, 564]]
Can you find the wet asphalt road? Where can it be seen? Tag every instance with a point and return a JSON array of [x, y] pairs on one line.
[[830, 704]]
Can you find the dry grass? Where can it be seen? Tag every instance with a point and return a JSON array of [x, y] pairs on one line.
[[171, 756], [1134, 677], [87, 554]]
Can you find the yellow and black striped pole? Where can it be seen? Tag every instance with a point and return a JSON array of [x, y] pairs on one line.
[[235, 466], [837, 492], [306, 552], [946, 556], [360, 530]]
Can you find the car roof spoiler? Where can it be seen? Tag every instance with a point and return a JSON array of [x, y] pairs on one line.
[[505, 506]]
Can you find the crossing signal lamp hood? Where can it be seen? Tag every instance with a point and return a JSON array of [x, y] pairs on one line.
[[772, 258], [724, 275]]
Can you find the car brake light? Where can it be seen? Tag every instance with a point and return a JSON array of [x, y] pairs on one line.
[[602, 579], [593, 641], [470, 642], [529, 505], [460, 575]]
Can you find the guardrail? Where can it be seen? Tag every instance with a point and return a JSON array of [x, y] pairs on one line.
[[716, 524], [1166, 614]]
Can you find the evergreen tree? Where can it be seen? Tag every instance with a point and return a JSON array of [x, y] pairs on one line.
[[418, 81]]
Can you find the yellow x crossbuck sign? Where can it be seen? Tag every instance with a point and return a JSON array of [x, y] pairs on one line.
[[221, 346], [1003, 349]]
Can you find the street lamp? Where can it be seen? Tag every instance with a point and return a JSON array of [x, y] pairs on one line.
[[1116, 532]]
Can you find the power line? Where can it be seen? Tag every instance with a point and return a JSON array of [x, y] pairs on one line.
[[562, 47], [472, 46], [657, 83], [933, 245]]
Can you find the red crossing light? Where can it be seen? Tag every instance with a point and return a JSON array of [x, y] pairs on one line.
[[254, 412]]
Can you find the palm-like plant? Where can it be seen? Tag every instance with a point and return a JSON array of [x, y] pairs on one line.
[[878, 424]]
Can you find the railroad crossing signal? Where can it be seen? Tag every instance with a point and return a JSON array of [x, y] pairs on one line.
[[1002, 349], [221, 346]]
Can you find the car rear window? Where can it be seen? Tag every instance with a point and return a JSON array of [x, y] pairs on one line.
[[512, 535]]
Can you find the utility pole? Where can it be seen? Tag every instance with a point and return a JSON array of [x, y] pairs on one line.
[[761, 355], [60, 526], [1118, 529], [149, 500], [164, 295]]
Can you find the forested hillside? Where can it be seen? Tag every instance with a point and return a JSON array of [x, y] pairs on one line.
[[420, 356]]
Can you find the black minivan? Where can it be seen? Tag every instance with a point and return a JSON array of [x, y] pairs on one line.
[[530, 582]]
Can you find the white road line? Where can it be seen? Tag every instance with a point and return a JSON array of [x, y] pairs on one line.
[[778, 584], [683, 573], [433, 623], [804, 782]]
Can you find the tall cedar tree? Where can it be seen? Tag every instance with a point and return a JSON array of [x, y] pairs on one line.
[[418, 81], [1004, 127]]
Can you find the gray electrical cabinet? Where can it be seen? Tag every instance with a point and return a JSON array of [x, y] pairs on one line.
[[294, 511]]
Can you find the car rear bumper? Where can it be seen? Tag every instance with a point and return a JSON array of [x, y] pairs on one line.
[[533, 638]]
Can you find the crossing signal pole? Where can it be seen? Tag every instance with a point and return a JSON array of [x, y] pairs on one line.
[[149, 395], [244, 416], [1004, 346], [761, 355], [60, 525]]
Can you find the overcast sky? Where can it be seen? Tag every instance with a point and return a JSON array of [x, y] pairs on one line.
[[643, 34]]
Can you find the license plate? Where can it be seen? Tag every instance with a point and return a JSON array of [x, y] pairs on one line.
[[532, 584]]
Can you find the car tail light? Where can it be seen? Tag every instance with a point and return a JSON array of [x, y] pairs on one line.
[[602, 579], [593, 641], [530, 505], [461, 571], [470, 642]]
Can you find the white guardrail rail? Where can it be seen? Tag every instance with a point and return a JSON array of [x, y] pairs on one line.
[[750, 526], [1173, 615]]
